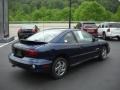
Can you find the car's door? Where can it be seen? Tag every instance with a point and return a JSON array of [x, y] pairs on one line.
[[70, 47], [101, 29], [89, 47]]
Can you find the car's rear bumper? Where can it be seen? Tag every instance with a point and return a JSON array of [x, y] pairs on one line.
[[32, 64]]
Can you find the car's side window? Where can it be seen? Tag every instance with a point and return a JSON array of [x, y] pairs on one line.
[[102, 26], [83, 36], [86, 36], [69, 38], [78, 35]]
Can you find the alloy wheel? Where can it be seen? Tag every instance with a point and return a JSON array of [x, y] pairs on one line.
[[60, 68], [104, 53]]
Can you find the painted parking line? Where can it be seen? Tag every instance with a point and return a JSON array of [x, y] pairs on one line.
[[7, 43]]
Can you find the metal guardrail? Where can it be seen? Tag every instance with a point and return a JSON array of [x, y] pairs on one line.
[[21, 22], [50, 22]]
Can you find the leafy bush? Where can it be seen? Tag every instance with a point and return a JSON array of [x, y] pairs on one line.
[[116, 16], [91, 10]]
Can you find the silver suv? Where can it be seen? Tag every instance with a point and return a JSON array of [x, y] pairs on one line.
[[109, 30]]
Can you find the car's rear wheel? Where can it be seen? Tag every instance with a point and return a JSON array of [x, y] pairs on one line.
[[59, 68], [103, 54]]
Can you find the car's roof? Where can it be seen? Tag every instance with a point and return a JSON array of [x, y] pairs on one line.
[[90, 22], [63, 29], [110, 22]]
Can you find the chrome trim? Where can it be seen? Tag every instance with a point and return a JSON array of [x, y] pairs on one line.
[[83, 54], [83, 61]]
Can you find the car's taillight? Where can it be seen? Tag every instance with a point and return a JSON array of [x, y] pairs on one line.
[[108, 30], [31, 53], [34, 30]]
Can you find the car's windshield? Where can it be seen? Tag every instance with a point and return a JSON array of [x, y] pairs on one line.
[[27, 27], [45, 36], [114, 25]]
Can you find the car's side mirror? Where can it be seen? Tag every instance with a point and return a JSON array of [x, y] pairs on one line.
[[99, 26]]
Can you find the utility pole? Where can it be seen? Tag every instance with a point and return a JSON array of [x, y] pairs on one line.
[[1, 19], [70, 5], [4, 24]]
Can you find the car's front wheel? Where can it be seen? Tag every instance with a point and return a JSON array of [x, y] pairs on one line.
[[103, 54], [59, 68], [118, 38], [104, 36]]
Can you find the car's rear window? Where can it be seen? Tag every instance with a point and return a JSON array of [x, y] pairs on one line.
[[92, 25], [45, 36], [114, 25]]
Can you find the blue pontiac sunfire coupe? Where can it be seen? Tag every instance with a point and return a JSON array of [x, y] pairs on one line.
[[55, 50]]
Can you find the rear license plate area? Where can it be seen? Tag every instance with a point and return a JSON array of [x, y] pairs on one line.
[[18, 53]]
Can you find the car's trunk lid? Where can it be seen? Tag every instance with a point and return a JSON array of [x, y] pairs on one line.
[[21, 47]]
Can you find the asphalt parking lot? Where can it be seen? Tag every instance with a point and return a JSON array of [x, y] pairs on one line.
[[92, 75]]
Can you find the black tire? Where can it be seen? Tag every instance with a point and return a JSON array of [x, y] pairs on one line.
[[104, 36], [118, 38], [19, 37], [103, 54], [57, 70]]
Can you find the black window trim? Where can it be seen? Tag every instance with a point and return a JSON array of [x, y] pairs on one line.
[[75, 36]]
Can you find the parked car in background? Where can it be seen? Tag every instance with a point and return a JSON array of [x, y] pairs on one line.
[[89, 27], [55, 50], [109, 30], [27, 30]]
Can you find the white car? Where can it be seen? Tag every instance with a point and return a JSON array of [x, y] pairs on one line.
[[109, 30]]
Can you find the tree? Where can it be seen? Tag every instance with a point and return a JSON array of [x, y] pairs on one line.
[[110, 5], [91, 10], [39, 14], [116, 16]]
